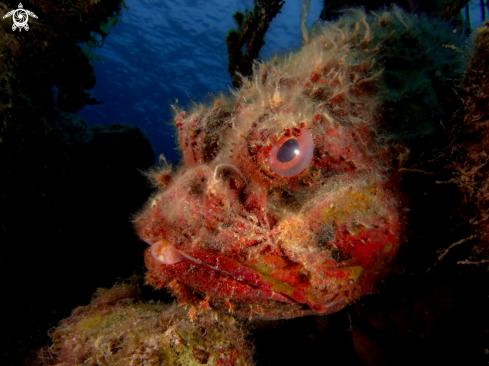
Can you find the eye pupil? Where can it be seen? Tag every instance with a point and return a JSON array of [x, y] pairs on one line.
[[288, 151], [291, 156]]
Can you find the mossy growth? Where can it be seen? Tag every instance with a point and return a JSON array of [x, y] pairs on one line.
[[467, 152], [419, 73], [117, 329]]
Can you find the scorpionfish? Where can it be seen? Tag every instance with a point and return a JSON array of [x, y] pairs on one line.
[[286, 201]]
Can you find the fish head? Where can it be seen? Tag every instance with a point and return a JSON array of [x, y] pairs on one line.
[[286, 201]]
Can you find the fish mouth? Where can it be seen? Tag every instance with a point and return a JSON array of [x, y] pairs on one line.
[[225, 268], [229, 271], [199, 277]]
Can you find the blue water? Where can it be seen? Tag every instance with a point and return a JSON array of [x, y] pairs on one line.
[[174, 50], [476, 13], [164, 51]]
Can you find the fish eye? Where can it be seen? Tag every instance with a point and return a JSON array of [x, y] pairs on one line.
[[291, 154]]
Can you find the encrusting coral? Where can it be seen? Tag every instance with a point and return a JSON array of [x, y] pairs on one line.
[[118, 330]]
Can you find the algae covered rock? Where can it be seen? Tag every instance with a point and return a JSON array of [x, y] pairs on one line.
[[117, 329], [288, 200]]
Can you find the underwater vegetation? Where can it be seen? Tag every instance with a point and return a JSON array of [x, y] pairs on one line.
[[117, 329], [252, 28], [468, 148]]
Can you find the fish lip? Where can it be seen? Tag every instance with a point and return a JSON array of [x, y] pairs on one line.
[[258, 285], [260, 293]]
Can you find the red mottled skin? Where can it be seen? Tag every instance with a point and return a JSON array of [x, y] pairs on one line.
[[227, 232]]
